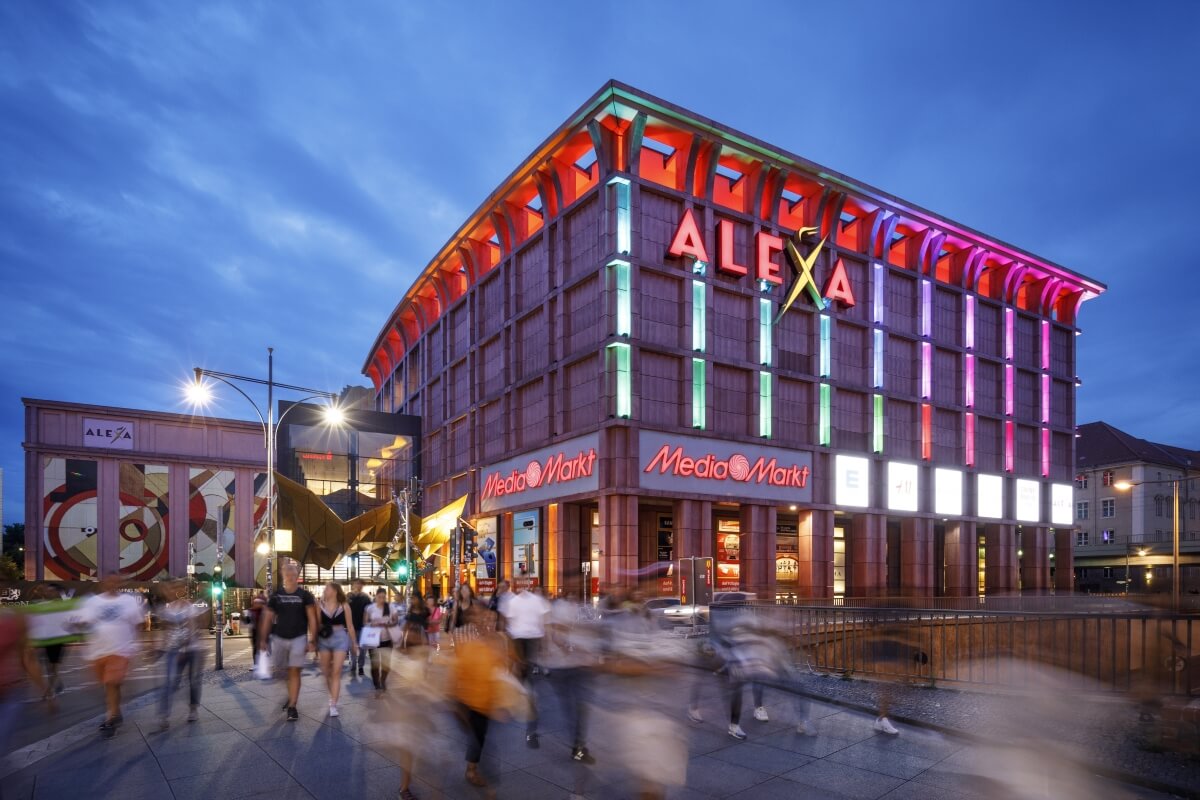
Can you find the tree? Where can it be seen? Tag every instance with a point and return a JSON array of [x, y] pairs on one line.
[[14, 541], [10, 570]]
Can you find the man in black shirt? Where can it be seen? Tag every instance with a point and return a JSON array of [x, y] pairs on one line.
[[358, 601], [290, 622]]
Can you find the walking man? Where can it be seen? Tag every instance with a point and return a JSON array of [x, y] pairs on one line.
[[289, 630], [113, 621], [179, 641], [525, 621], [358, 600]]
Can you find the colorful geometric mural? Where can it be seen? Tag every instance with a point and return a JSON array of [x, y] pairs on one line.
[[70, 529], [210, 517], [260, 520], [144, 525]]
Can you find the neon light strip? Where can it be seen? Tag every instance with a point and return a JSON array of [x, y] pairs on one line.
[[877, 430], [698, 399], [1009, 449], [764, 331], [969, 384], [926, 431], [1045, 452], [826, 361], [699, 310], [877, 301], [1008, 334], [620, 273], [1046, 344], [926, 370], [926, 308], [969, 445], [969, 330], [764, 405], [1008, 389], [624, 394], [878, 358], [624, 231], [826, 429], [1046, 399]]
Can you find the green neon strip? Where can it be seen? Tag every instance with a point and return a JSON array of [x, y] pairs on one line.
[[620, 272], [764, 331], [826, 429], [699, 316], [698, 399], [620, 362], [877, 431], [764, 405], [624, 232]]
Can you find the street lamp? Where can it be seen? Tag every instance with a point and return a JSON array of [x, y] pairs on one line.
[[199, 392], [1125, 486]]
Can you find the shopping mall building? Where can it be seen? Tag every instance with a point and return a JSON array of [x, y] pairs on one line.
[[661, 338]]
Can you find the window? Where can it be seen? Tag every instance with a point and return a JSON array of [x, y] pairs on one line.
[[1108, 477], [1158, 505], [1081, 538], [1081, 510], [1081, 481], [1108, 508], [1108, 536], [1108, 572]]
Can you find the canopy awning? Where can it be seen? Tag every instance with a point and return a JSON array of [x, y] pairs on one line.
[[319, 536], [436, 527]]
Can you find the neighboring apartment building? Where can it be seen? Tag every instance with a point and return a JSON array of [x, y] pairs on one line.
[[1126, 533]]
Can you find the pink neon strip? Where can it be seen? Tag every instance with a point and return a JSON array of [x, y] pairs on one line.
[[926, 308], [969, 387], [1008, 389], [926, 431], [1009, 454], [969, 332], [970, 437], [1045, 344], [1045, 452], [1046, 399], [1008, 334], [926, 370]]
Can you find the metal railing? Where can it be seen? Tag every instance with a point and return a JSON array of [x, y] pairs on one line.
[[1144, 654]]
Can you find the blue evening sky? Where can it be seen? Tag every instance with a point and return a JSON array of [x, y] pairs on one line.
[[187, 183]]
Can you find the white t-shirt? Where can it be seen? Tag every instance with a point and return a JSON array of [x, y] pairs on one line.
[[113, 623], [526, 615]]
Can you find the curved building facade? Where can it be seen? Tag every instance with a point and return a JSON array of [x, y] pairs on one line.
[[662, 338]]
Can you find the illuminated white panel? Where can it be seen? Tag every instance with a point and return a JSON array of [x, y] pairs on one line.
[[1029, 501], [852, 481], [1061, 497], [948, 492], [989, 496], [903, 492]]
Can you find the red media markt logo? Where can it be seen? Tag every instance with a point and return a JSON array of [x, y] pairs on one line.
[[533, 474], [558, 468], [737, 467]]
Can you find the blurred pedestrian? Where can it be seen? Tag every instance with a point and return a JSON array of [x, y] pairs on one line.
[[289, 630], [481, 658], [415, 620], [570, 652], [525, 622], [17, 660], [253, 622], [358, 600], [49, 631], [179, 642], [434, 626], [380, 617], [335, 637], [113, 621]]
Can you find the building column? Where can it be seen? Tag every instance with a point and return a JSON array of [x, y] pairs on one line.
[[1001, 555], [814, 532], [916, 557], [243, 526], [619, 526], [1035, 560], [35, 537], [962, 579], [693, 529], [177, 528], [108, 517], [562, 547], [757, 554], [866, 556], [1064, 560]]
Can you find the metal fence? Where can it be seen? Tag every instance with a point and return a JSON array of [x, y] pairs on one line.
[[1141, 653]]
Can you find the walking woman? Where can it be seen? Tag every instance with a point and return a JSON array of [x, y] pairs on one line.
[[415, 621], [379, 615], [335, 636], [480, 653]]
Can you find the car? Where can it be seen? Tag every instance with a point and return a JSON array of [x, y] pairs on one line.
[[720, 598], [658, 606], [685, 614]]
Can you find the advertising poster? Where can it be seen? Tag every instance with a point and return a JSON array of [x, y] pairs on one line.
[[729, 548], [487, 547], [787, 554], [527, 538]]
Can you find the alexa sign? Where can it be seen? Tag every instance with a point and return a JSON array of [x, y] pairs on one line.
[[542, 475], [709, 466], [110, 433]]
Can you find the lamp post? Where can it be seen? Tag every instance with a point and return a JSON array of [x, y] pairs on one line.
[[1125, 486], [199, 393]]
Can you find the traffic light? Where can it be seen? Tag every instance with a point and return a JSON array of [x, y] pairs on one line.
[[402, 572], [470, 547], [217, 589]]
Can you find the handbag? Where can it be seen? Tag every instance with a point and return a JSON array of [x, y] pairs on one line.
[[369, 637]]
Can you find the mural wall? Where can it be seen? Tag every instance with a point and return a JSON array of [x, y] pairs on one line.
[[69, 530], [143, 529], [210, 518]]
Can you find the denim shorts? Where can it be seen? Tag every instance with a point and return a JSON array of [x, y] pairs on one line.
[[338, 640]]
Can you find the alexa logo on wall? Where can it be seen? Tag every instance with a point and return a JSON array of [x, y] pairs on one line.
[[112, 434]]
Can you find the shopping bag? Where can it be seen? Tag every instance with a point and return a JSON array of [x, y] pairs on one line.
[[369, 636], [262, 666]]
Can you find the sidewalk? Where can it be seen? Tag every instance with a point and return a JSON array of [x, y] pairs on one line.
[[243, 747]]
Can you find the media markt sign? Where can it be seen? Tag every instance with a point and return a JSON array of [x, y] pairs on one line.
[[545, 474], [709, 466], [109, 433]]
